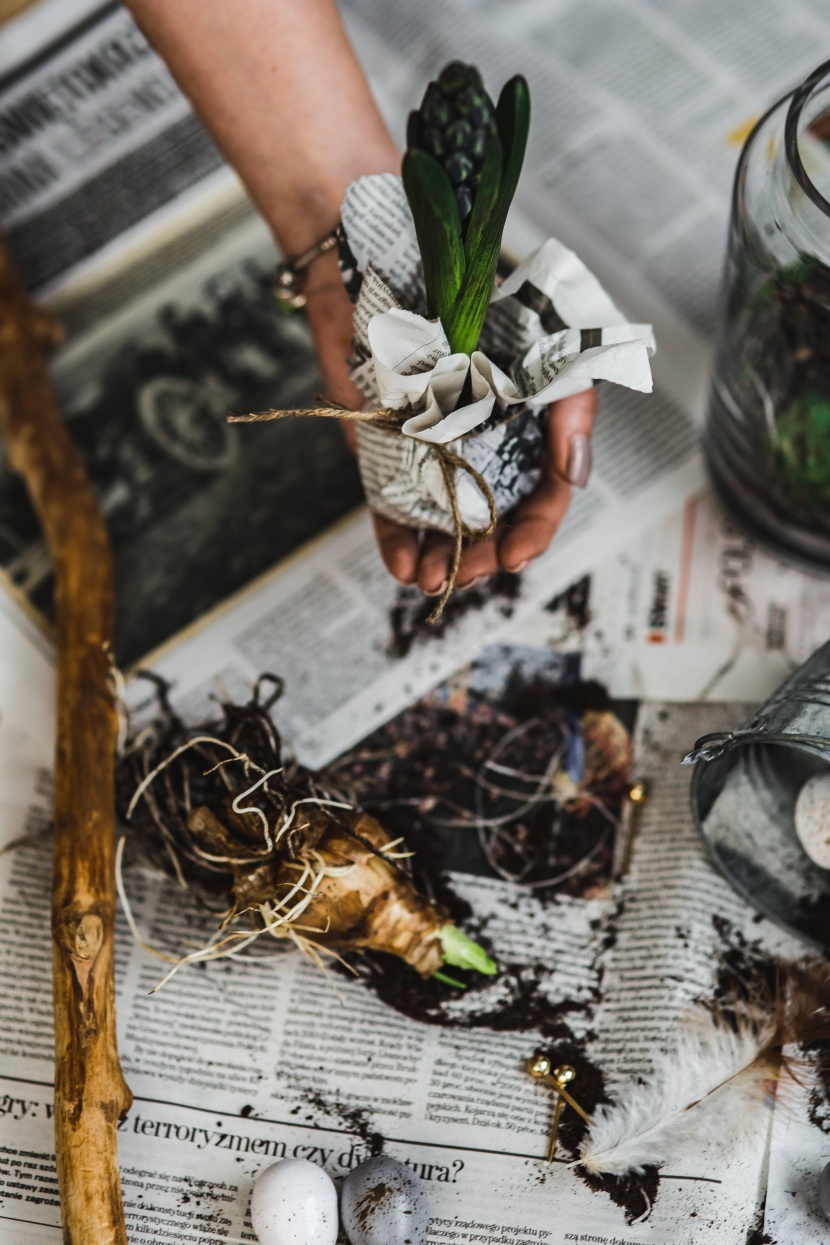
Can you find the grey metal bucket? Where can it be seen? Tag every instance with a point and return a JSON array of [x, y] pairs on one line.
[[744, 791]]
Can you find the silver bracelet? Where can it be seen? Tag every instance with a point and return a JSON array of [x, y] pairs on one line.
[[290, 276]]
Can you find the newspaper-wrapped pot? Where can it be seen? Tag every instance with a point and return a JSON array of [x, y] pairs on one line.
[[551, 331]]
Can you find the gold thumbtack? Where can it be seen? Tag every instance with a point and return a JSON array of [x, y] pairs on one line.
[[637, 793], [540, 1068]]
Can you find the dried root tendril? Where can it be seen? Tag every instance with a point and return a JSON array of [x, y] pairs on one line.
[[174, 755], [492, 830]]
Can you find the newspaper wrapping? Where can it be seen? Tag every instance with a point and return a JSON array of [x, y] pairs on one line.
[[551, 331]]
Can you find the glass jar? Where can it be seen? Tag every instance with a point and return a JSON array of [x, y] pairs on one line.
[[767, 438]]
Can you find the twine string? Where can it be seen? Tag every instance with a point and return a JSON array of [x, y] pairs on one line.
[[386, 420], [448, 461]]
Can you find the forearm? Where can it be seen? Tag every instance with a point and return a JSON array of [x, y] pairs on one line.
[[277, 84]]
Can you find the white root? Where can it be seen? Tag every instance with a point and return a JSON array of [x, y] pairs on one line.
[[252, 808], [177, 752], [310, 799]]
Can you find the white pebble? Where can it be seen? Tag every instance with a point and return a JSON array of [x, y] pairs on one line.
[[812, 819], [294, 1202]]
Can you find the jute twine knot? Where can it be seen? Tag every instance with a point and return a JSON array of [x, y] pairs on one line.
[[448, 461]]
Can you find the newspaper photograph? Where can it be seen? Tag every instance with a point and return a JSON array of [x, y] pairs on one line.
[[694, 609], [196, 507]]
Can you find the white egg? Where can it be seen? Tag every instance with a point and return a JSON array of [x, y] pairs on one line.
[[294, 1202], [812, 819]]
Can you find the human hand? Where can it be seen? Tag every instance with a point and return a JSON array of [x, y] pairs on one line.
[[525, 534]]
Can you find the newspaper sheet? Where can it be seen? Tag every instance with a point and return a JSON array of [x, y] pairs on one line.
[[799, 1152], [594, 117], [666, 82], [692, 610], [239, 1064], [88, 115]]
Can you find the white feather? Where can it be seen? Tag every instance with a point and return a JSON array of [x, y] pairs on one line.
[[701, 1091]]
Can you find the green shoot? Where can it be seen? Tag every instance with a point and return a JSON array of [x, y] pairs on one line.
[[462, 952]]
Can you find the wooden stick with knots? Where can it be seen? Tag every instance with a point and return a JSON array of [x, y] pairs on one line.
[[90, 1092]]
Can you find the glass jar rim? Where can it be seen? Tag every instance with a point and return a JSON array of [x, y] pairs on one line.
[[791, 146]]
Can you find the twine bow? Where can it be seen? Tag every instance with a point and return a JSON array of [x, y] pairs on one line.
[[448, 461]]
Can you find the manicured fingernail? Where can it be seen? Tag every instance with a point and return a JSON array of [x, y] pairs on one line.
[[480, 579], [435, 592], [515, 570], [579, 460]]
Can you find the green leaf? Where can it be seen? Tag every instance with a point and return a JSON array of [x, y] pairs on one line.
[[785, 280], [465, 320], [513, 124], [486, 196], [438, 227], [461, 951], [802, 450], [449, 981]]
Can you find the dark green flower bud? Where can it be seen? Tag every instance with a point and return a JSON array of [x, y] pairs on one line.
[[459, 136], [436, 109], [459, 167], [478, 145], [433, 141], [464, 199], [457, 116], [456, 76]]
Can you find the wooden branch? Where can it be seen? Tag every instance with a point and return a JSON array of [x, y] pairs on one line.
[[10, 8], [90, 1092]]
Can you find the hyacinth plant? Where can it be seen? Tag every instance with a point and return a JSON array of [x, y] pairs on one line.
[[460, 172]]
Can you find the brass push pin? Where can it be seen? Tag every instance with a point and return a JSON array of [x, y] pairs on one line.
[[638, 791], [539, 1067], [638, 794]]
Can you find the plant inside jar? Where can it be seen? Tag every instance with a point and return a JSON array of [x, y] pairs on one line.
[[786, 372]]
